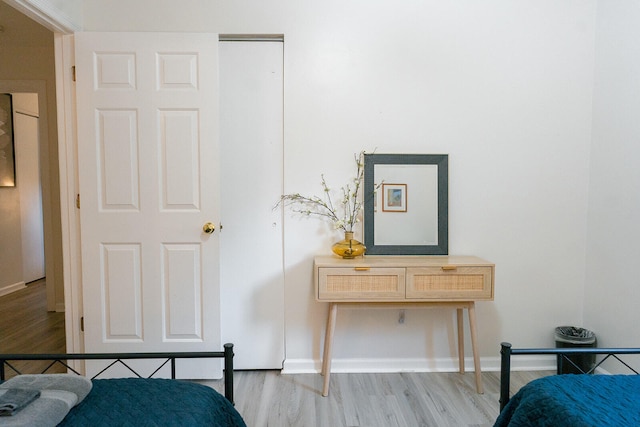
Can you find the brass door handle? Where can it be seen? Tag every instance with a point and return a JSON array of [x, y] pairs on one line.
[[209, 228]]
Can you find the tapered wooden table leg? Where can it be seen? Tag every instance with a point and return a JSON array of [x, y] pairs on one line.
[[474, 345], [460, 340], [328, 342]]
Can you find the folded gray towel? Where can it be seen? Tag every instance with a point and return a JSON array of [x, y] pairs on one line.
[[58, 394], [46, 411], [81, 386], [14, 399]]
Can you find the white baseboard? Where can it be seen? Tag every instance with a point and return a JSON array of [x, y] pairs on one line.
[[521, 363], [12, 288]]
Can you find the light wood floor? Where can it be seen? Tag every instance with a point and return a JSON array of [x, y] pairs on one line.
[[27, 327], [267, 398]]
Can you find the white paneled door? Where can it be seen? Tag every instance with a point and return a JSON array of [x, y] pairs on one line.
[[149, 181]]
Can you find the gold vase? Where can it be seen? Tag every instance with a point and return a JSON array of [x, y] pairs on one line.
[[349, 247]]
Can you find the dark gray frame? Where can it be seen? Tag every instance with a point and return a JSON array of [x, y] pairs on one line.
[[442, 161], [119, 358], [563, 355]]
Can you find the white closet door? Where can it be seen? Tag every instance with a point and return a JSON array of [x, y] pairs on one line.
[[148, 171], [251, 147], [28, 179]]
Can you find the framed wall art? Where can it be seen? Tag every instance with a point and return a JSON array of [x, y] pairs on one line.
[[7, 157], [394, 197]]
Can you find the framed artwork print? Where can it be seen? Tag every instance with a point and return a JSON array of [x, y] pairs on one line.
[[394, 197], [7, 159]]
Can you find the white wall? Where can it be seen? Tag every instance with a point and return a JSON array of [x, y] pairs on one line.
[[613, 289], [503, 87]]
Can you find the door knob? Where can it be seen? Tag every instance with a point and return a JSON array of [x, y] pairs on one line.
[[209, 228]]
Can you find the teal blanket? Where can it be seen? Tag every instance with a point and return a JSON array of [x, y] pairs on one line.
[[575, 400], [139, 402]]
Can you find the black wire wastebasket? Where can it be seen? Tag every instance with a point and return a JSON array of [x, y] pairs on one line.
[[571, 337]]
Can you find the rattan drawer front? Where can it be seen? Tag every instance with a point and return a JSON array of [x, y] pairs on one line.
[[463, 283], [356, 284]]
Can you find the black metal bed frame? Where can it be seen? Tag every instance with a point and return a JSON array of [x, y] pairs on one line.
[[563, 355], [118, 358]]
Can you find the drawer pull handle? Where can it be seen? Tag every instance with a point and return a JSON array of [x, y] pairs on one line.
[[449, 267], [362, 268]]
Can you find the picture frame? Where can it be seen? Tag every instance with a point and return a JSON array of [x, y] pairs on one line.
[[7, 151], [394, 197]]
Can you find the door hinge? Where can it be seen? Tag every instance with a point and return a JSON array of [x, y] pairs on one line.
[[78, 200], [82, 324], [73, 73]]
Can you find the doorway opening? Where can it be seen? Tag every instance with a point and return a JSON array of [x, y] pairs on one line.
[[30, 326], [33, 207]]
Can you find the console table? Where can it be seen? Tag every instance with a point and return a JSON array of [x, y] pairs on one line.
[[404, 281]]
